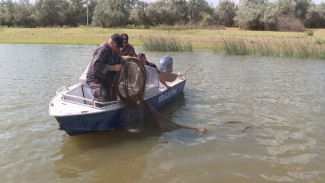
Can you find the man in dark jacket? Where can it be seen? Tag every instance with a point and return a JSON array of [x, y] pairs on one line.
[[103, 69], [127, 50]]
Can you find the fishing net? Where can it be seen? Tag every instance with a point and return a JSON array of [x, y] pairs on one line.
[[131, 91], [131, 85]]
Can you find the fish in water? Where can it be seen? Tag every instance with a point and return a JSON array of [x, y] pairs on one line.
[[246, 129], [231, 122], [249, 129]]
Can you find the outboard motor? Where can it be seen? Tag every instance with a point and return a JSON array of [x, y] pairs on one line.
[[166, 64]]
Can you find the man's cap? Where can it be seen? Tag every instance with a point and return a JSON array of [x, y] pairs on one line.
[[118, 39]]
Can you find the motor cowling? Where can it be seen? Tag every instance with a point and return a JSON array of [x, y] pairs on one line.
[[166, 64]]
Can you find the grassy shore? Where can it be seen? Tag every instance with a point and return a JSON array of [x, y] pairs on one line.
[[217, 41]]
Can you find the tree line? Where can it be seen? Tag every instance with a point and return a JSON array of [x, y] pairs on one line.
[[248, 14]]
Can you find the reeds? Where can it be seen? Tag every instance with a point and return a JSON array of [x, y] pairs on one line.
[[235, 47], [235, 42], [166, 45], [297, 48]]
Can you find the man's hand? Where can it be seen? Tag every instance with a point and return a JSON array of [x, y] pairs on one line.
[[127, 57], [117, 67]]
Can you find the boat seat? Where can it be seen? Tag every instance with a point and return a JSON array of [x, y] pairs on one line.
[[86, 93], [85, 87]]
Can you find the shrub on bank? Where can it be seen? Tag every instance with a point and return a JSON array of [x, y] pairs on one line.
[[319, 41], [309, 33], [289, 23]]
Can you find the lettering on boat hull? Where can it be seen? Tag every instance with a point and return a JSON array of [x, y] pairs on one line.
[[167, 95]]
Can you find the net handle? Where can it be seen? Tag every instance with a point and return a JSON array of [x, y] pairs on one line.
[[188, 69]]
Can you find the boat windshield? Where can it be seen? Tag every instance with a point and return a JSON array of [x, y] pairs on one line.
[[152, 78]]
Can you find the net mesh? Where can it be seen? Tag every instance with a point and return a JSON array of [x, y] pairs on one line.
[[131, 91]]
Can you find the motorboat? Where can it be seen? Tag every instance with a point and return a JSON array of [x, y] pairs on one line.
[[77, 113]]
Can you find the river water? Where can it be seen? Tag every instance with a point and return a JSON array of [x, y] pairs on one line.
[[265, 116]]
